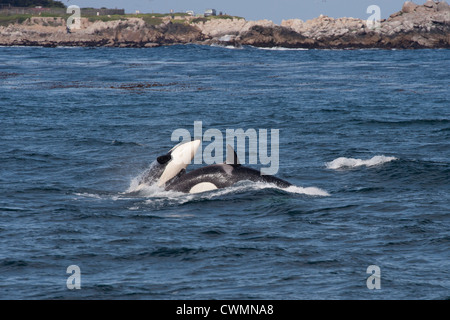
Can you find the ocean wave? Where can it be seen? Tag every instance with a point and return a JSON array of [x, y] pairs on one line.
[[310, 191], [87, 195], [122, 143], [343, 162], [436, 121]]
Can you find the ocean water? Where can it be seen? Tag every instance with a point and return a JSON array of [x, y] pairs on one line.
[[363, 136]]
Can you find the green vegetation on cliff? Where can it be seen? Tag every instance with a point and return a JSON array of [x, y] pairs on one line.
[[15, 18]]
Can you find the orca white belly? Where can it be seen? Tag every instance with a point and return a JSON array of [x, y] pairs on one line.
[[203, 187]]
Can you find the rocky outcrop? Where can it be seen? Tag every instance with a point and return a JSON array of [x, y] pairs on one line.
[[220, 28], [131, 32], [415, 26], [409, 7]]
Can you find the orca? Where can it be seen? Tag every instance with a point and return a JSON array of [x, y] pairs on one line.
[[218, 176], [169, 172], [168, 166]]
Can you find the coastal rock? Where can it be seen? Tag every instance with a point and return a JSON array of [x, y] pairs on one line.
[[443, 6], [429, 4], [131, 32], [263, 36], [220, 27], [324, 27], [409, 7], [294, 24], [415, 26], [151, 45]]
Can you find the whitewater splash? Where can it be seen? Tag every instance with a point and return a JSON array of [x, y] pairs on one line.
[[154, 191], [343, 162], [157, 197], [216, 45]]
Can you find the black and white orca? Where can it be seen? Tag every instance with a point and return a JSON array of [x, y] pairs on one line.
[[169, 172]]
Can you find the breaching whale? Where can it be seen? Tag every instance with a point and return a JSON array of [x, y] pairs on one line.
[[169, 172]]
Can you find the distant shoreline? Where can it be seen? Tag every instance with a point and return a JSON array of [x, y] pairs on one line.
[[414, 27]]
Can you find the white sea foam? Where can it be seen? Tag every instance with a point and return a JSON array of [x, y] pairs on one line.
[[343, 162], [227, 38], [226, 46], [311, 191], [282, 49], [153, 190], [158, 197], [88, 195], [158, 194]]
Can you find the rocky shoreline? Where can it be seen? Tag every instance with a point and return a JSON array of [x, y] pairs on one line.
[[414, 27]]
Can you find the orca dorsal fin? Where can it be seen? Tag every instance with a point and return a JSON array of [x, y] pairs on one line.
[[232, 158]]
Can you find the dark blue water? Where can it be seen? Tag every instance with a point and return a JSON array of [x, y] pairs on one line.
[[364, 135]]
